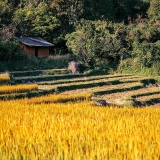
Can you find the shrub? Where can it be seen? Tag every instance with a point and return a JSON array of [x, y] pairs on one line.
[[147, 53], [10, 50], [94, 44]]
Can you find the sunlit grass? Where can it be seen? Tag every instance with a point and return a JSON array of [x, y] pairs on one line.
[[58, 98], [77, 131], [148, 97], [4, 77], [17, 88]]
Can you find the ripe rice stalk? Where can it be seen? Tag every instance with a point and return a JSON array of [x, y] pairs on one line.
[[77, 131], [6, 89], [58, 98]]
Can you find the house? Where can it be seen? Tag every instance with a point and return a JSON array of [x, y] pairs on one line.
[[35, 46]]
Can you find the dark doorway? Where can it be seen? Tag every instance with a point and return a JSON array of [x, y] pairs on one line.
[[36, 51]]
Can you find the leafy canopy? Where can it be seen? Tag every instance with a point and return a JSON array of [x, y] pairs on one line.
[[92, 42], [35, 21]]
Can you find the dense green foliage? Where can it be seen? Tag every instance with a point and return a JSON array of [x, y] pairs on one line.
[[94, 44], [154, 10], [38, 20], [98, 33], [10, 50]]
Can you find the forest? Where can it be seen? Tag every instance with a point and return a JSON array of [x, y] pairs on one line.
[[108, 35]]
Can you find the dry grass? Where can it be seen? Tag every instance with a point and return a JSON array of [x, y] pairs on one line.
[[104, 88], [148, 97], [122, 97], [85, 79], [76, 131]]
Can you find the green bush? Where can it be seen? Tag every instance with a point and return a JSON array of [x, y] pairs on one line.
[[10, 50], [147, 53], [94, 44], [132, 66]]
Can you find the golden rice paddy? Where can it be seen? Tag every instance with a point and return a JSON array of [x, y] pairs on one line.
[[77, 131], [18, 88]]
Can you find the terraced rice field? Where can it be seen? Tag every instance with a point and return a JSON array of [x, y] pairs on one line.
[[115, 89], [68, 125]]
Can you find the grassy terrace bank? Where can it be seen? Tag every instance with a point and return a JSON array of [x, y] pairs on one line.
[[117, 89]]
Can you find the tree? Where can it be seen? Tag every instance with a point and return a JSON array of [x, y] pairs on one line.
[[37, 21], [154, 10], [23, 19], [68, 11], [93, 43], [130, 8], [43, 22], [147, 54], [80, 42], [5, 13], [98, 9], [11, 52], [7, 32]]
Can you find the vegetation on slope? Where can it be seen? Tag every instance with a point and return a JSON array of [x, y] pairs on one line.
[[103, 35]]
